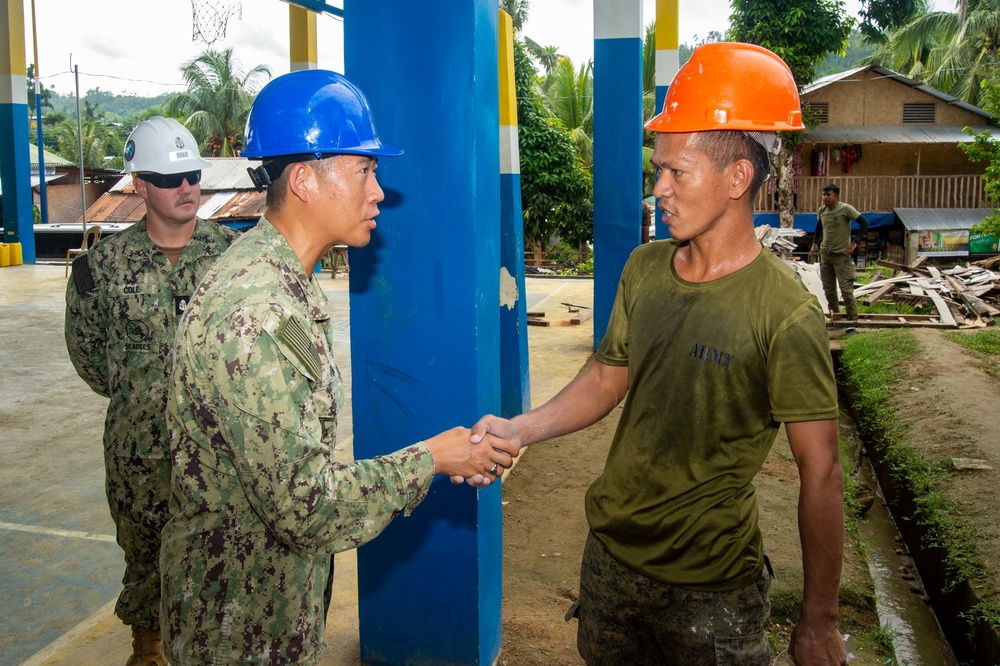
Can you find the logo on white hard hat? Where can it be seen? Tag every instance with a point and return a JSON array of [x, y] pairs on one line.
[[179, 142]]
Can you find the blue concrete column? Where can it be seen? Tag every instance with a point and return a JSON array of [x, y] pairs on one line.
[[425, 342], [667, 64], [515, 393], [617, 147], [15, 153]]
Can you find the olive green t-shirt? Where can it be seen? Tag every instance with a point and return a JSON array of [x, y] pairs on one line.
[[714, 368], [836, 223]]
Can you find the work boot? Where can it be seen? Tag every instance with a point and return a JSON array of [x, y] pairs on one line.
[[147, 648]]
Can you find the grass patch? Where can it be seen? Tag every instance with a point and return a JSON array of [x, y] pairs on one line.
[[871, 369], [984, 345]]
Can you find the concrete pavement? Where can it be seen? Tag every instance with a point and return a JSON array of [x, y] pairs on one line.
[[60, 567]]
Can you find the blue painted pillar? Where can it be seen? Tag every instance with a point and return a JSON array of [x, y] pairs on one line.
[[425, 342], [515, 392], [617, 147], [15, 153], [667, 64]]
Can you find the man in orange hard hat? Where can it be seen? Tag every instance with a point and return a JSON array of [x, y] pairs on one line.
[[713, 343]]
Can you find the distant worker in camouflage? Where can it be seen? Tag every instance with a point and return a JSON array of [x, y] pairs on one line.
[[259, 504], [123, 303]]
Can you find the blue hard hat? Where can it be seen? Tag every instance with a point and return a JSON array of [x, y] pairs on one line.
[[313, 111]]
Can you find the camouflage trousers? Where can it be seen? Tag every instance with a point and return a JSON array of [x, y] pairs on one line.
[[626, 618], [837, 268], [138, 492]]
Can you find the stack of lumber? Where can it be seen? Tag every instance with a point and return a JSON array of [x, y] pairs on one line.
[[779, 239], [961, 295]]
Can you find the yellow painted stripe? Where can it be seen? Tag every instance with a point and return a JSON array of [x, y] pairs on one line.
[[303, 50], [508, 92], [12, 59], [667, 25]]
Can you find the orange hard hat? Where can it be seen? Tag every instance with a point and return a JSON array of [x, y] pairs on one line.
[[731, 86]]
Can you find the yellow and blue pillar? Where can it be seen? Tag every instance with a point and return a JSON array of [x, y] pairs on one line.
[[515, 390], [302, 40], [425, 332], [618, 130], [15, 155], [667, 64]]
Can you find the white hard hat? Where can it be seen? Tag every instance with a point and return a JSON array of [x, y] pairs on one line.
[[162, 145]]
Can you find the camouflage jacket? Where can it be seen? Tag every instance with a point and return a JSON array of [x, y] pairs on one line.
[[123, 303], [259, 504]]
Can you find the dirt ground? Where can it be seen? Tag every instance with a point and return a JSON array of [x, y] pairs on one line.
[[951, 401]]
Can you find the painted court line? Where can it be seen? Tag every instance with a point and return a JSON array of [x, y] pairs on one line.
[[91, 536], [70, 636]]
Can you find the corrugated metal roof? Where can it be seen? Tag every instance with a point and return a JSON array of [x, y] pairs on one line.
[[225, 206], [226, 173], [887, 134], [896, 76], [940, 219]]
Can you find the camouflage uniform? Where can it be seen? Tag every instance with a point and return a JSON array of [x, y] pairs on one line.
[[258, 503], [122, 307]]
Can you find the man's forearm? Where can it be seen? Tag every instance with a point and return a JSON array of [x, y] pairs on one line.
[[584, 401]]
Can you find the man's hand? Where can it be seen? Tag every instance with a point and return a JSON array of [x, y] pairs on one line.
[[495, 429], [456, 455], [821, 645], [849, 250]]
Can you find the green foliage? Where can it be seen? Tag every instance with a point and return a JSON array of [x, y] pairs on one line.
[[99, 140], [857, 51], [44, 93], [556, 192], [215, 105], [885, 639], [985, 149], [880, 16], [951, 51], [871, 366], [802, 32]]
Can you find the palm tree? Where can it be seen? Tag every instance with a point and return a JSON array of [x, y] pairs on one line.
[[99, 140], [547, 56], [215, 105], [518, 10], [952, 51], [569, 97]]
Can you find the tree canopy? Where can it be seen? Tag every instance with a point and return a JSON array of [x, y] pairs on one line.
[[556, 192], [215, 105]]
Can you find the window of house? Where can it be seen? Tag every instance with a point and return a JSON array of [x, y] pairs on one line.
[[820, 111], [918, 112]]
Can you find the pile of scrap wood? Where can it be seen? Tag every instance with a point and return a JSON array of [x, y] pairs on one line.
[[963, 295], [779, 239], [579, 314]]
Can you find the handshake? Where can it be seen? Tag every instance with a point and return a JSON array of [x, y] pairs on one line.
[[478, 455]]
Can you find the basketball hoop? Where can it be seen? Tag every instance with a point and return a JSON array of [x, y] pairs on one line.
[[209, 19]]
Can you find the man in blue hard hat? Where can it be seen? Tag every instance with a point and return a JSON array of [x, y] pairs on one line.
[[259, 505]]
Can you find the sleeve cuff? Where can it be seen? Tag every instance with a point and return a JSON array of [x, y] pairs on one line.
[[415, 467]]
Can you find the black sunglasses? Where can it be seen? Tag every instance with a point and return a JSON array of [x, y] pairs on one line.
[[168, 181]]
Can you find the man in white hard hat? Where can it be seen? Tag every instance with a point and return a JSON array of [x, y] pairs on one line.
[[122, 306]]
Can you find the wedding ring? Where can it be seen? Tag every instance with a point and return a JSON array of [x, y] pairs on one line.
[[494, 470]]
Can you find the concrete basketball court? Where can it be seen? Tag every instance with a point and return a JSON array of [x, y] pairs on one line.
[[60, 568]]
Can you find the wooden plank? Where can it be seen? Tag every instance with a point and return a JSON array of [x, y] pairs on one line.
[[583, 316], [943, 309], [536, 314], [886, 289], [935, 273]]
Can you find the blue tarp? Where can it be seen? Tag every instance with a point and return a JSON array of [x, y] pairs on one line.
[[807, 221]]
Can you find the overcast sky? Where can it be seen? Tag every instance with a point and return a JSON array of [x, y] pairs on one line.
[[139, 46]]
